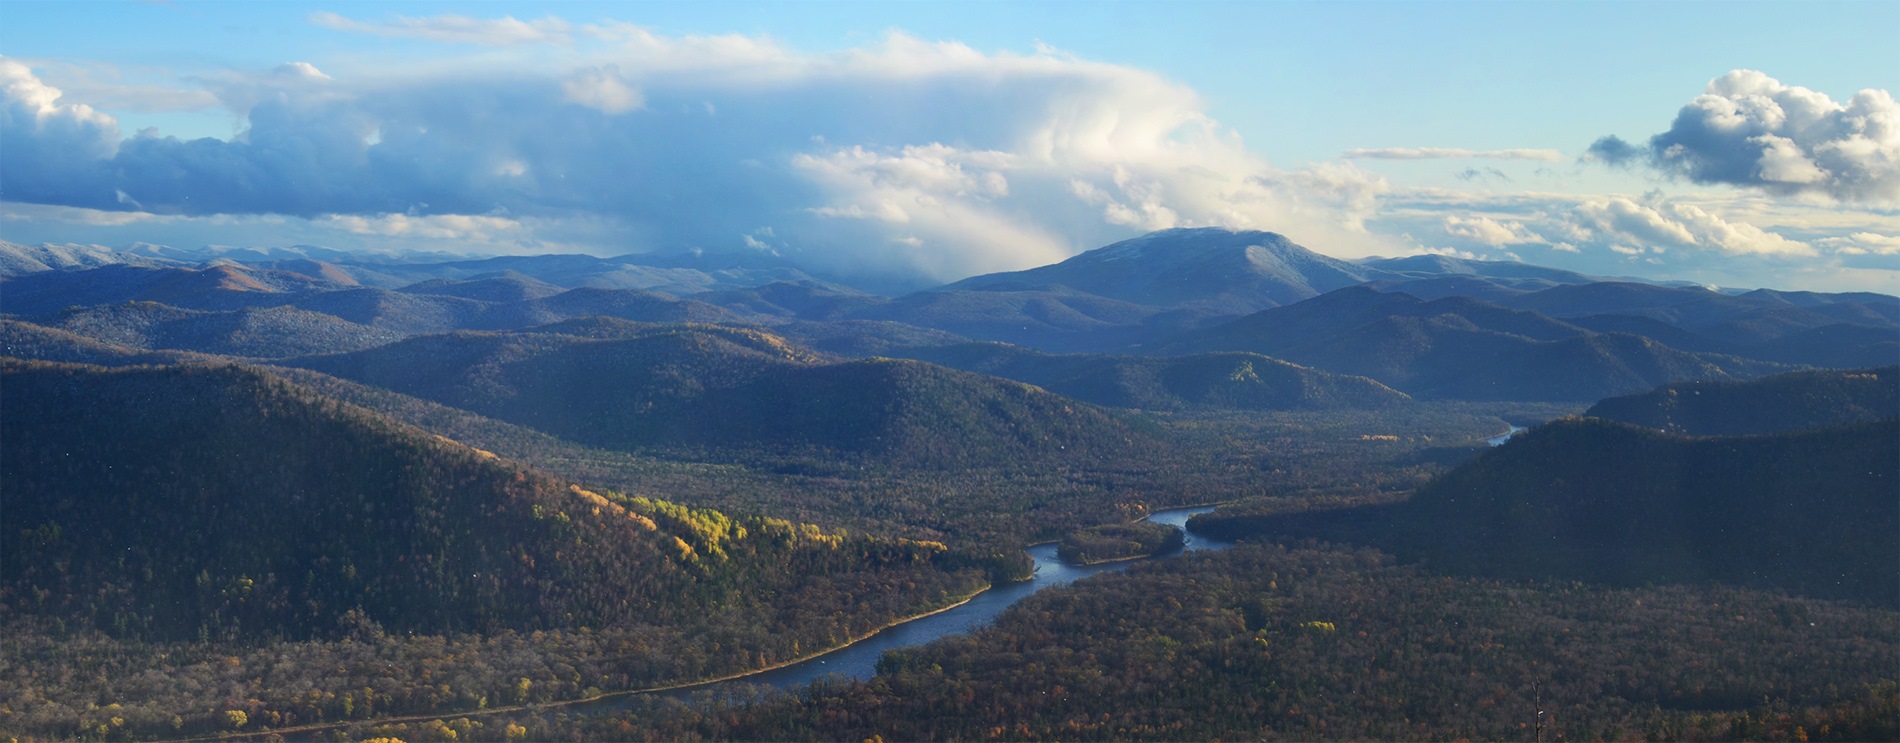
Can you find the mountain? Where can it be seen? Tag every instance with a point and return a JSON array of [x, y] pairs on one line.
[[506, 286], [1416, 267], [17, 259], [677, 275], [734, 390], [218, 287], [808, 300], [1776, 404], [263, 332], [1057, 319], [626, 304], [393, 311], [1810, 512], [193, 501], [24, 340], [1457, 348], [863, 338], [1242, 381], [1438, 276], [1834, 330], [1840, 346], [1209, 268], [1752, 317]]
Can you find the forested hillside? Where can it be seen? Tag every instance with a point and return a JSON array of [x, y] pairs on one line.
[[160, 513], [1812, 512], [1243, 381], [731, 392], [140, 496], [1784, 402], [310, 493]]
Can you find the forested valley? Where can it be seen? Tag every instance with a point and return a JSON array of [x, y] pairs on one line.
[[549, 501]]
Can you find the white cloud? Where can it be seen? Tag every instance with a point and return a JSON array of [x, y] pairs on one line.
[[1749, 129], [986, 161], [1863, 243], [111, 87], [1683, 225], [1623, 217], [456, 29], [1451, 153], [601, 88], [1489, 231], [437, 226]]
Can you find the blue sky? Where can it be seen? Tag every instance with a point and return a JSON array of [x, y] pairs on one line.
[[939, 140]]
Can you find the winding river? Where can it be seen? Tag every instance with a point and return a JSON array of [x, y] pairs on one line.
[[859, 660]]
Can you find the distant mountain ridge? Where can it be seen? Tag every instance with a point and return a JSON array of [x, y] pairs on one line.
[[1201, 268], [1160, 293], [1238, 381], [625, 386], [1457, 348], [1769, 405]]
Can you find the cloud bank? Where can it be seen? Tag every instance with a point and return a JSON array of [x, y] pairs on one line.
[[1751, 130], [906, 156], [1451, 153]]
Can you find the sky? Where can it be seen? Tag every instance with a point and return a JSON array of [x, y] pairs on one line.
[[1732, 144]]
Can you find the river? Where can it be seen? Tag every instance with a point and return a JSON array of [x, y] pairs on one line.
[[1499, 439], [859, 660]]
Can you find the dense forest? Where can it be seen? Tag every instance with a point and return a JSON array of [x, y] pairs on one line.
[[305, 495], [1783, 402], [1810, 512], [135, 499], [717, 391], [1112, 542], [1272, 643]]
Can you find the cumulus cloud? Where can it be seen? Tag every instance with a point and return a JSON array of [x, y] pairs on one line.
[[1613, 150], [904, 155], [1451, 153], [1749, 129], [51, 145], [1863, 243], [602, 89], [1669, 224], [1723, 238], [1489, 231]]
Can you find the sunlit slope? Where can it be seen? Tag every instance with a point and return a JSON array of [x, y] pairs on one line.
[[262, 332], [1233, 380], [1222, 270], [199, 501]]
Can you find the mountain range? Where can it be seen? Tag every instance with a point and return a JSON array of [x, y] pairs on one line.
[[630, 386], [243, 496], [1431, 327]]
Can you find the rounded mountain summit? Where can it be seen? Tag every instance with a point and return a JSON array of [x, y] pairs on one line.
[[1210, 268]]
